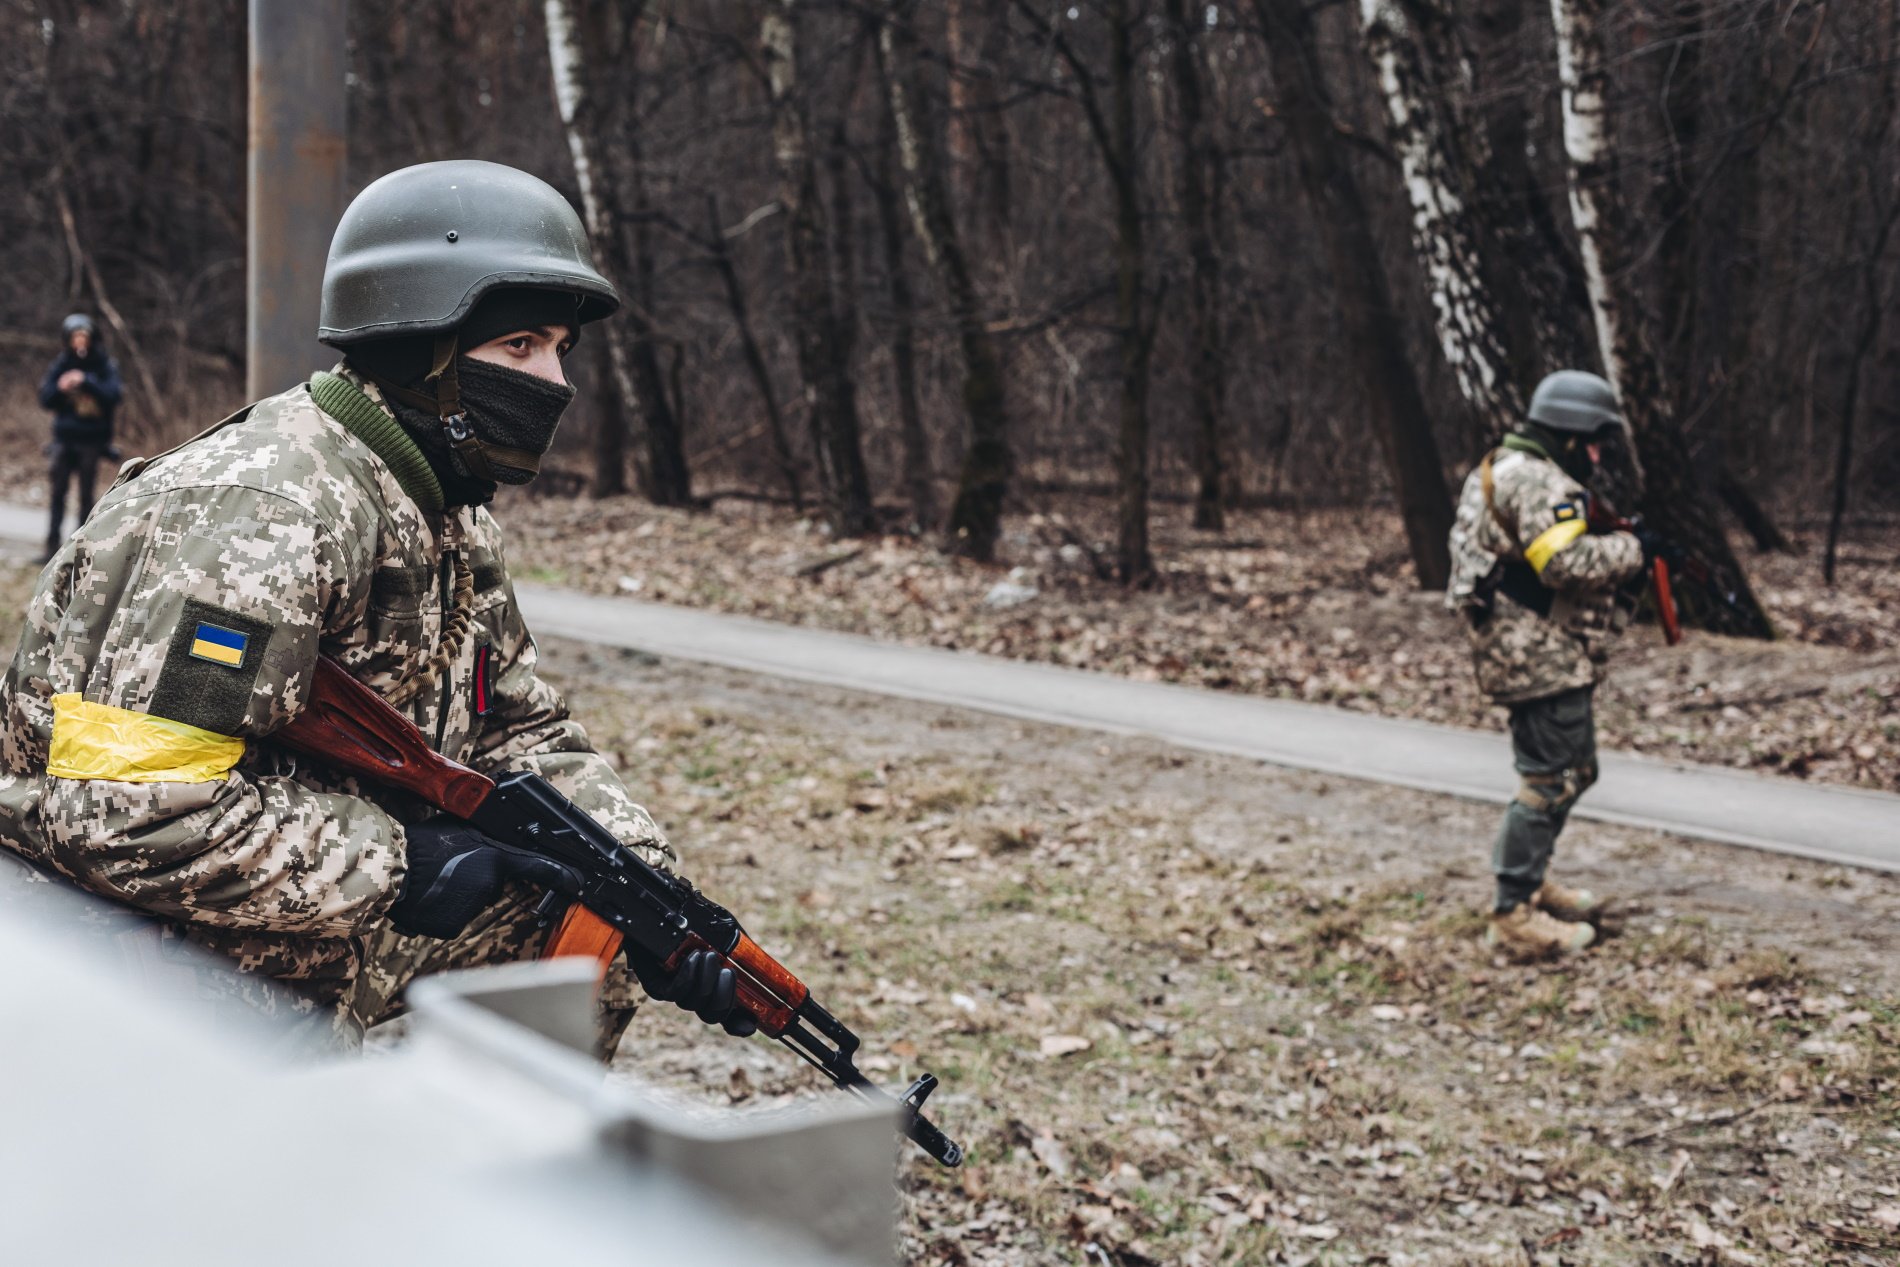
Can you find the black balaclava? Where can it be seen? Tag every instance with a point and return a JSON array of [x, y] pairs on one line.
[[1568, 449], [503, 407]]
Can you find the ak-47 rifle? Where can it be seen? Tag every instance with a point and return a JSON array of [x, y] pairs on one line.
[[1661, 585], [620, 895]]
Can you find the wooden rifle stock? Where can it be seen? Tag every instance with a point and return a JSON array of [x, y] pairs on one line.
[[351, 727]]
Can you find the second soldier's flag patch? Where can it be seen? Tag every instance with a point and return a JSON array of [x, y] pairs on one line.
[[1566, 510], [219, 645]]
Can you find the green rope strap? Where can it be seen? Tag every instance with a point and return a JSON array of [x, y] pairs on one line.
[[361, 417]]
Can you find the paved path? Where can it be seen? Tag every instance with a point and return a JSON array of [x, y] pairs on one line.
[[1815, 821], [1812, 820]]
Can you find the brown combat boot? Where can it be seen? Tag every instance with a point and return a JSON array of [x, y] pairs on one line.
[[1574, 905], [1524, 932]]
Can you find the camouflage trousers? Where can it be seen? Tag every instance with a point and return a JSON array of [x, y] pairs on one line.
[[1554, 746]]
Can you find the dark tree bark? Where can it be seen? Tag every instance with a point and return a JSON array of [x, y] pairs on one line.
[[668, 480], [740, 309], [1674, 498], [1112, 125], [1201, 192], [1363, 293], [976, 514], [919, 489], [823, 343]]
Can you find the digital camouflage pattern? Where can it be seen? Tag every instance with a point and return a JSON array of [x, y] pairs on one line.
[[290, 524], [1518, 654]]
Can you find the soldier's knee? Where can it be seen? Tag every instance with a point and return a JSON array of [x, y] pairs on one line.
[[1555, 793]]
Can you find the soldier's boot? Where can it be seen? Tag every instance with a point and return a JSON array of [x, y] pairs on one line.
[[1525, 932], [1574, 905]]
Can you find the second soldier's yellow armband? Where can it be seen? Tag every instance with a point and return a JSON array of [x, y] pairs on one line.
[[1552, 539]]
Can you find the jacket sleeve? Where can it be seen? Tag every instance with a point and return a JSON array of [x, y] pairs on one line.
[[528, 728], [50, 395], [1552, 518], [105, 384], [194, 621]]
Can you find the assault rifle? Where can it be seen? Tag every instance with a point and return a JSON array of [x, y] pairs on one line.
[[1661, 585], [620, 895]]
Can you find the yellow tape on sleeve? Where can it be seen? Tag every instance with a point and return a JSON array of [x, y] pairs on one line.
[[98, 741], [1552, 539]]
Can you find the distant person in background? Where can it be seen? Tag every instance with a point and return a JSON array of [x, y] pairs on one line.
[[82, 390], [1538, 591]]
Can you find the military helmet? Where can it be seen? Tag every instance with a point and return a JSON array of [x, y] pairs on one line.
[[1575, 401], [418, 248], [75, 323]]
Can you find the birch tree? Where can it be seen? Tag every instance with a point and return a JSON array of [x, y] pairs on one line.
[[607, 171], [1673, 497], [1444, 229]]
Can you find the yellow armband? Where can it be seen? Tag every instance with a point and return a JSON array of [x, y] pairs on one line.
[[98, 741], [1552, 539]]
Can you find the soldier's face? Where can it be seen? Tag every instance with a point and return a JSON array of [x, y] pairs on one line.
[[1595, 450], [537, 351], [81, 342]]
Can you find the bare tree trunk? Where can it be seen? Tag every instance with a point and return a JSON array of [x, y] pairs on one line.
[[670, 482], [1444, 230], [823, 345], [976, 514], [919, 490], [566, 62], [1674, 499], [1201, 192], [754, 356], [1135, 562], [1361, 290]]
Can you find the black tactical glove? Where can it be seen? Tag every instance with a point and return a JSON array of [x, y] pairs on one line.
[[1655, 546], [456, 872], [703, 985]]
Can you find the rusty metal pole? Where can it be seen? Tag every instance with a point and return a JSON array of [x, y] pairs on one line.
[[297, 149]]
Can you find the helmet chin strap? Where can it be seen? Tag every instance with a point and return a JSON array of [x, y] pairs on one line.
[[478, 459]]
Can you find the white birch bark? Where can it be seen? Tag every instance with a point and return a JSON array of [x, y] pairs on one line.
[[1587, 143], [1465, 315], [567, 67]]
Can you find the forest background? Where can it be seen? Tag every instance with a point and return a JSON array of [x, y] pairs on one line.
[[1212, 300]]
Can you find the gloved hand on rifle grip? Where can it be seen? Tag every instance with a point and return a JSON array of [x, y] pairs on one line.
[[703, 985], [1655, 545], [456, 872]]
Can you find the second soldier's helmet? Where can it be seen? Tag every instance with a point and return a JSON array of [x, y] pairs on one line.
[[74, 324], [1575, 401], [417, 249]]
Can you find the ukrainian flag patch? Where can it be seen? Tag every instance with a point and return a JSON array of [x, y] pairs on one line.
[[219, 645], [1566, 510]]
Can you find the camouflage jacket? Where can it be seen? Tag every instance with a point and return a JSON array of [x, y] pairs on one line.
[[1535, 520], [183, 620]]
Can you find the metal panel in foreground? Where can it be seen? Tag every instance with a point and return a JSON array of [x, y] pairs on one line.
[[297, 149], [136, 1131]]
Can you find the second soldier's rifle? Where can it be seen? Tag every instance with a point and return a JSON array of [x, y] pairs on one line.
[[619, 895], [1661, 584]]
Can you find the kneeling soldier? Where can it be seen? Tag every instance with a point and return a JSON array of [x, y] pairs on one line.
[[1538, 591], [178, 630]]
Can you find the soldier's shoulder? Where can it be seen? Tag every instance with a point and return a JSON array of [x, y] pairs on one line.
[[1519, 474], [286, 449]]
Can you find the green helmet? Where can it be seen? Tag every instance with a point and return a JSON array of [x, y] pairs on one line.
[[1575, 401], [417, 249]]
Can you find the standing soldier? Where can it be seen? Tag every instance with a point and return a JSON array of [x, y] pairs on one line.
[[82, 390], [178, 629], [1538, 591]]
